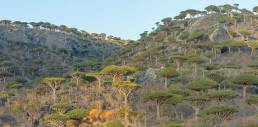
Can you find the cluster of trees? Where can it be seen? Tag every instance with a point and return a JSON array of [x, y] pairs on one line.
[[64, 29], [171, 29], [118, 84], [154, 83], [65, 113], [202, 94]]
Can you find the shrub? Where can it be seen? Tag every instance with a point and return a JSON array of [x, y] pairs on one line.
[[201, 84], [72, 123], [77, 114], [114, 123], [16, 107]]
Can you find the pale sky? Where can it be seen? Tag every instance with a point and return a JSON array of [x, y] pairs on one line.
[[121, 18]]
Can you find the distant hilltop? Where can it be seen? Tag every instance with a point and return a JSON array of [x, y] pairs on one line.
[[63, 29]]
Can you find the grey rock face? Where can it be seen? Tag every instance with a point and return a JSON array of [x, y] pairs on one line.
[[220, 34], [150, 74], [36, 52], [52, 39]]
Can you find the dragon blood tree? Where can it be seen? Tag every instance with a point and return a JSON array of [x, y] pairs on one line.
[[222, 95], [117, 72], [253, 100], [244, 81], [167, 73], [197, 100], [219, 113], [54, 83], [56, 120]]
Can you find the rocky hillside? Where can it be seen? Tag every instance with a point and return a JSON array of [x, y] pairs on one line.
[[31, 53], [198, 69]]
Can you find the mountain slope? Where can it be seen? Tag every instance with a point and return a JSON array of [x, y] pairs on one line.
[[33, 53]]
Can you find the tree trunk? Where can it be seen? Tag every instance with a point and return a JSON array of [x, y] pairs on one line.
[[203, 74], [166, 82], [54, 95], [77, 81], [145, 119], [195, 68], [158, 111], [99, 84], [4, 80], [194, 73], [178, 65], [196, 114], [252, 52], [156, 60], [126, 119], [244, 19], [244, 91], [256, 107], [176, 113], [116, 79], [215, 53]]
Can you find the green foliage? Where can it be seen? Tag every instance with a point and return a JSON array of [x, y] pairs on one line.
[[211, 66], [255, 9], [5, 74], [91, 77], [225, 19], [175, 99], [197, 98], [114, 123], [21, 80], [163, 97], [167, 20], [253, 44], [183, 92], [245, 32], [222, 94], [172, 125], [216, 77], [219, 109], [56, 117], [217, 45], [53, 80], [152, 45], [180, 57], [77, 74], [185, 35], [13, 85], [246, 79], [16, 107], [5, 95], [212, 8], [71, 123], [77, 114], [251, 125], [61, 106], [196, 35], [128, 84], [156, 95], [202, 84], [235, 43], [118, 69], [196, 58], [252, 99], [167, 72], [231, 65]]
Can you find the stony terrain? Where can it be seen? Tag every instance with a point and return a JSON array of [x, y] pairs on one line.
[[198, 69]]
